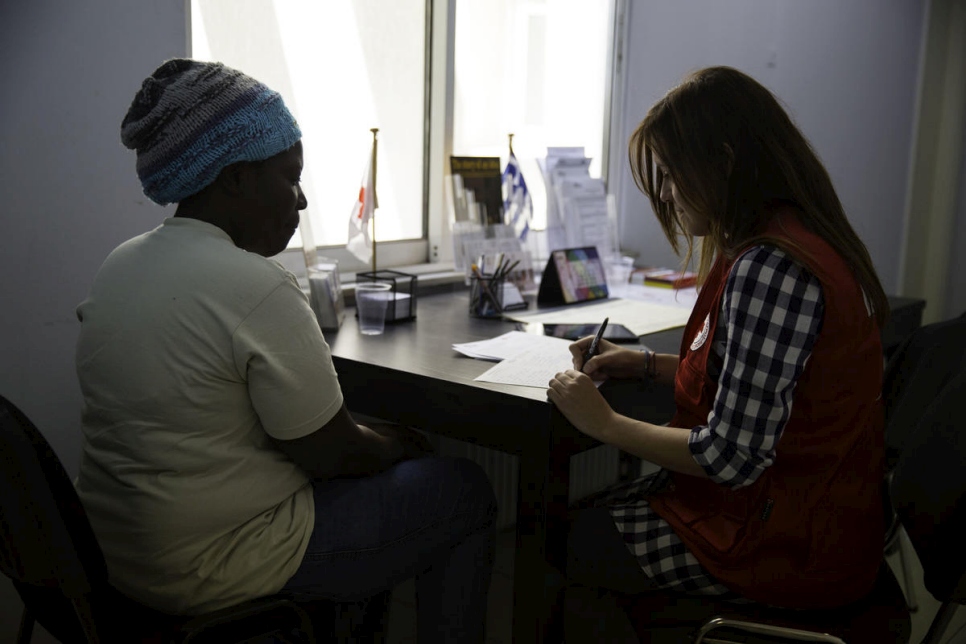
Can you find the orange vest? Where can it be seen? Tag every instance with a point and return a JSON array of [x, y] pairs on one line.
[[808, 533]]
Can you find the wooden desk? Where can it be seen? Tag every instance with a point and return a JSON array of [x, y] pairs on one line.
[[422, 382]]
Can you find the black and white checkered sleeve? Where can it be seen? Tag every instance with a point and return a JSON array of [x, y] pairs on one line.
[[771, 314]]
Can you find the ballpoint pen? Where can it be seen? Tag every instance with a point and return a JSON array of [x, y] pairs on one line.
[[593, 349], [508, 269]]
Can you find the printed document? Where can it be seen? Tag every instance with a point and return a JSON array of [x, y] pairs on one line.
[[532, 368]]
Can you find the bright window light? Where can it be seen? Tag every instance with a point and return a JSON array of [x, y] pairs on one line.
[[536, 69], [343, 67]]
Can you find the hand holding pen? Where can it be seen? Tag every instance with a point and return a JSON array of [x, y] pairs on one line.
[[576, 395], [594, 347]]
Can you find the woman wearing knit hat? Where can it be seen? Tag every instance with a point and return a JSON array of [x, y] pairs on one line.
[[219, 461]]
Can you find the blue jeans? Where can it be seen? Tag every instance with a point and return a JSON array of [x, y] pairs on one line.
[[431, 518]]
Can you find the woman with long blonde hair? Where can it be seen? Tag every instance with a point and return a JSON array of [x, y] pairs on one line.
[[769, 488]]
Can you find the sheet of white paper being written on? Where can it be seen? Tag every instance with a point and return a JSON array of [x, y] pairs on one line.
[[532, 368], [509, 345]]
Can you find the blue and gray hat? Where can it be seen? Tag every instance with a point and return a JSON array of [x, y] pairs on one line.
[[191, 119]]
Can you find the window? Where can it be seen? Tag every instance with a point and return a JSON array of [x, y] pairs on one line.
[[536, 68]]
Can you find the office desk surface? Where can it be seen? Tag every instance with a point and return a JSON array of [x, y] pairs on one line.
[[412, 375], [414, 361]]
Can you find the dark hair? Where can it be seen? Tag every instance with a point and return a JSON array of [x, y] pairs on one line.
[[733, 154]]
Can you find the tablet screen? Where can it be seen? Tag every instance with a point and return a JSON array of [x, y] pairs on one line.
[[581, 274]]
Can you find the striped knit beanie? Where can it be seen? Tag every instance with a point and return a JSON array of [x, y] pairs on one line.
[[191, 119]]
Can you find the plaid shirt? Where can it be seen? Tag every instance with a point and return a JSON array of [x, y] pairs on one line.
[[771, 313]]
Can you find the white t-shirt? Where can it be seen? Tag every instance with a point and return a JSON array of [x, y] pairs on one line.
[[192, 352]]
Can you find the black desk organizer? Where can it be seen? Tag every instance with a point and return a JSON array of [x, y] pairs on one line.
[[399, 283], [486, 297]]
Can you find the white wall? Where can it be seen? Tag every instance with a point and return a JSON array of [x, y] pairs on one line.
[[846, 71], [68, 191]]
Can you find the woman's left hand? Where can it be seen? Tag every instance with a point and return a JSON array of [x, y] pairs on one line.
[[577, 398]]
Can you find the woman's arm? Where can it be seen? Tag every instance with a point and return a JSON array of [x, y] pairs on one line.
[[344, 448], [614, 361], [771, 316], [577, 397], [665, 367]]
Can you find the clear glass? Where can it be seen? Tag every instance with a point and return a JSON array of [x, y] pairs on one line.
[[372, 301]]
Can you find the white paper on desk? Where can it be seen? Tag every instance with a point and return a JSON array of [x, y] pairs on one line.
[[511, 344], [532, 368], [684, 297], [640, 317]]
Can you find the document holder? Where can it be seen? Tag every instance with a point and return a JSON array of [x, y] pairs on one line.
[[325, 293], [573, 275]]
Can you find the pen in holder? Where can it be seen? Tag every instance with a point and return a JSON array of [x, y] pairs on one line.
[[486, 295]]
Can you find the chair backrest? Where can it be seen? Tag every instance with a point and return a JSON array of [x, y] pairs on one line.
[[46, 541], [918, 369], [929, 492]]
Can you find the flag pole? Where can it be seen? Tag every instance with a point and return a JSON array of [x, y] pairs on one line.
[[506, 214], [375, 199]]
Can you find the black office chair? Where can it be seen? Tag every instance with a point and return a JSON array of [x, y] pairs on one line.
[[880, 617], [48, 549], [919, 368], [929, 495]]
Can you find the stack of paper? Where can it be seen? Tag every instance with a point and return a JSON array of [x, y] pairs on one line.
[[578, 213], [532, 360], [526, 359], [533, 368], [510, 345]]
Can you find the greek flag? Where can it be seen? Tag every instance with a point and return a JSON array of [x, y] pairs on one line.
[[517, 205]]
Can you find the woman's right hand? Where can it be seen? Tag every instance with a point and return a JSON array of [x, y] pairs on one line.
[[611, 361]]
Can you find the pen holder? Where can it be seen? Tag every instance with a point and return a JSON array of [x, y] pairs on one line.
[[486, 296]]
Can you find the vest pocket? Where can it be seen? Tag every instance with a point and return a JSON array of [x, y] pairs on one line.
[[693, 392], [725, 521]]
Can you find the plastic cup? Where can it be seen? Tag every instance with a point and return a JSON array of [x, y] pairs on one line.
[[372, 298], [619, 270]]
